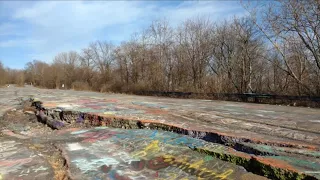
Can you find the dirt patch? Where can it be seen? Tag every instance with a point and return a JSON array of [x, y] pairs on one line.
[[58, 163], [23, 121], [54, 157]]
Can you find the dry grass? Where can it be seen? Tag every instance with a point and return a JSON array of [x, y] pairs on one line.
[[80, 86]]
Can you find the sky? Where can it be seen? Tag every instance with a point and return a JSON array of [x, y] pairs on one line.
[[40, 30]]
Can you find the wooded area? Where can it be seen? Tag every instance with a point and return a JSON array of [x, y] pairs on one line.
[[276, 53]]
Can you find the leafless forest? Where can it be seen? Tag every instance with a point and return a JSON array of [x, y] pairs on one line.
[[273, 50]]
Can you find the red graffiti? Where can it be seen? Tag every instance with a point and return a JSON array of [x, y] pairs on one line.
[[95, 136], [15, 162], [105, 168], [119, 177], [157, 163]]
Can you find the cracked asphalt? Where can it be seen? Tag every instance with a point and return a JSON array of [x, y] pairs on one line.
[[282, 137]]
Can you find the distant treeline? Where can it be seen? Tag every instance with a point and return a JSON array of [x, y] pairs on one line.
[[276, 53], [306, 101]]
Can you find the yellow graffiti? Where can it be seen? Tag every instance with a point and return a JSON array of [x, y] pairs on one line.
[[139, 154], [225, 174], [168, 158], [1, 177], [153, 147], [109, 113], [184, 165], [172, 177], [205, 170], [196, 165]]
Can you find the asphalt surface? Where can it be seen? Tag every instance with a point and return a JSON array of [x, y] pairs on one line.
[[285, 138]]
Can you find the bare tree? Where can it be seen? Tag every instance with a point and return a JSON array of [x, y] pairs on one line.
[[288, 23], [161, 40], [276, 53], [197, 43], [3, 78], [68, 61]]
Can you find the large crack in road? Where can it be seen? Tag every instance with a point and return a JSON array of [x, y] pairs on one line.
[[72, 139]]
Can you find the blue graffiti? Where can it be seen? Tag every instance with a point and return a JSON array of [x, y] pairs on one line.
[[153, 134]]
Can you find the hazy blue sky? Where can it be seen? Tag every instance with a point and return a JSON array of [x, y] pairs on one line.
[[41, 29]]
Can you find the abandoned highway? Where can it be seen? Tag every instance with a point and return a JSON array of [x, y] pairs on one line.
[[66, 134]]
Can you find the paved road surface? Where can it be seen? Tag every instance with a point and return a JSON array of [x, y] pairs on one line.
[[283, 137]]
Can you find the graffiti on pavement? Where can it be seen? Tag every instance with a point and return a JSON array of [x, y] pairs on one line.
[[105, 153]]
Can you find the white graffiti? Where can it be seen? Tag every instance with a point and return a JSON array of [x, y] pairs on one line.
[[79, 132], [74, 146], [26, 172], [87, 165]]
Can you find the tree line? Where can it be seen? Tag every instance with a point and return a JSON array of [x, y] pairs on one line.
[[277, 53]]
